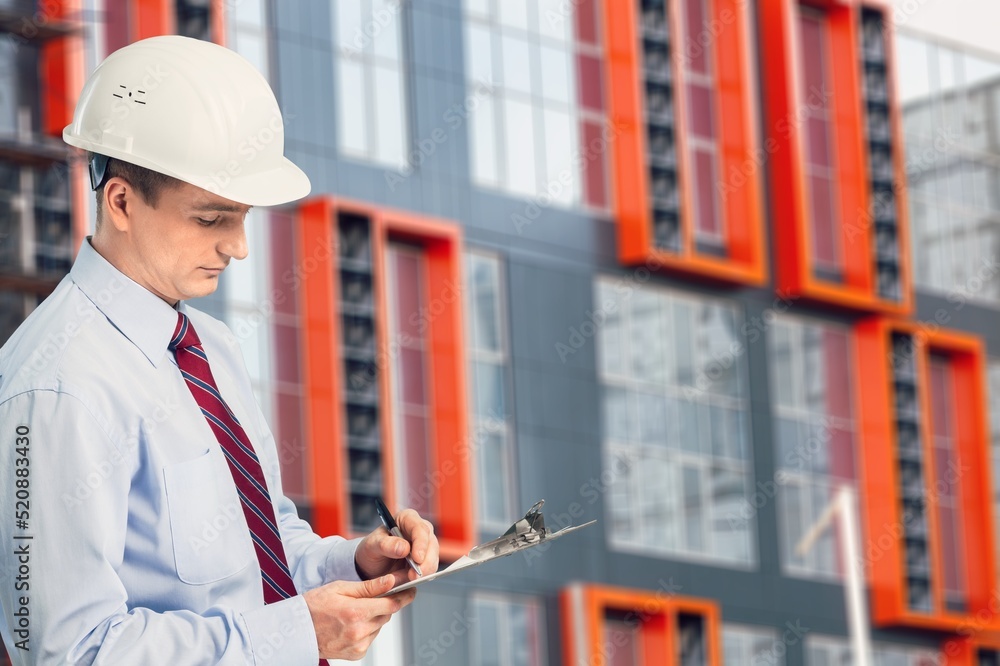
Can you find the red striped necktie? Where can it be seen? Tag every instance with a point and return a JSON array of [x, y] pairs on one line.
[[243, 463]]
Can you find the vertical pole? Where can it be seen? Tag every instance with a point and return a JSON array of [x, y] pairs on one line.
[[854, 590]]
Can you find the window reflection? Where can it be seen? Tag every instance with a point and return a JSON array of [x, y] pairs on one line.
[[491, 431], [675, 426], [534, 67], [813, 435], [371, 100], [948, 97]]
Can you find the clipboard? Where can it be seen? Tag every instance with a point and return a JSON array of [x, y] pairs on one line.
[[528, 532]]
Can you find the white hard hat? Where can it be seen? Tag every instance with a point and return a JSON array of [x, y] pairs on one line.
[[192, 110]]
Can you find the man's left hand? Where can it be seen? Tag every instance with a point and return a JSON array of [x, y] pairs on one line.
[[380, 553]]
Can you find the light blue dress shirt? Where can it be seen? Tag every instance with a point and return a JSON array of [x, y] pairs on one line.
[[138, 551]]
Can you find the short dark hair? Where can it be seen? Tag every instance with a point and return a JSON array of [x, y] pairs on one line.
[[148, 183]]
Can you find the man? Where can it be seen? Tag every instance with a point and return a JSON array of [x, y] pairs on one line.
[[144, 521]]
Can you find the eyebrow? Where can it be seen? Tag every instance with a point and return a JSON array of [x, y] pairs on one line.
[[221, 207]]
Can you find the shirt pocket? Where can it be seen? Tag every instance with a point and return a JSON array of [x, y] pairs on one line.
[[211, 540]]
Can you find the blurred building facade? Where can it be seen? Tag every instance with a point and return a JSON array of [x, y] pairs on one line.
[[683, 266]]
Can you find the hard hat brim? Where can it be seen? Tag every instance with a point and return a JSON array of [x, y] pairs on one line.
[[281, 185], [274, 187]]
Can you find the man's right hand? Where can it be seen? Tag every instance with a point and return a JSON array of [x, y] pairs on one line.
[[347, 616]]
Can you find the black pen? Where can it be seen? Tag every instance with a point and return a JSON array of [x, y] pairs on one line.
[[392, 528]]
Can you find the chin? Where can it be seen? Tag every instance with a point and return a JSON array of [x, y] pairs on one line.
[[207, 288]]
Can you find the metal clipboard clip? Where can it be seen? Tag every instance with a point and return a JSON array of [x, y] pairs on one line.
[[528, 532]]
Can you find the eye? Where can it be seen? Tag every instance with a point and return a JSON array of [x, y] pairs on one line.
[[208, 223]]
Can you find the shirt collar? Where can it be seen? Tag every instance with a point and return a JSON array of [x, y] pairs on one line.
[[140, 315]]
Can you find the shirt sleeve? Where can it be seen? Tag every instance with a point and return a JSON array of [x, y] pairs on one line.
[[63, 527]]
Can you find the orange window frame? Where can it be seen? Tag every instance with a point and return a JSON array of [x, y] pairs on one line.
[[740, 211], [963, 650], [585, 606], [441, 242], [885, 522], [789, 192]]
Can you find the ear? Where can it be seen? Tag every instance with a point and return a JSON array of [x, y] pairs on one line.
[[119, 203]]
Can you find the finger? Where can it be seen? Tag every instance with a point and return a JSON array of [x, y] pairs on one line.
[[370, 588], [403, 599], [389, 546], [394, 547], [402, 573], [418, 531], [431, 551], [431, 557]]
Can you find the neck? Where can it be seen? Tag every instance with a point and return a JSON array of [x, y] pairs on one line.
[[111, 246]]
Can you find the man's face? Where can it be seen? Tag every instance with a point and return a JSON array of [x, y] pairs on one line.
[[179, 248]]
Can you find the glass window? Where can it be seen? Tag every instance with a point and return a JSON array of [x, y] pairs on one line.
[[35, 216], [814, 435], [492, 431], [271, 238], [818, 150], [194, 19], [994, 398], [831, 651], [622, 641], [411, 402], [947, 99], [534, 69], [947, 492], [35, 219], [675, 423], [20, 103], [246, 32], [699, 86], [742, 645], [507, 631], [371, 96]]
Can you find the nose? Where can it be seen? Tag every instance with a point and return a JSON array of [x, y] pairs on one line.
[[234, 243]]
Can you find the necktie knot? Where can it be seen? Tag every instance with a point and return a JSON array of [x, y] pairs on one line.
[[184, 335]]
